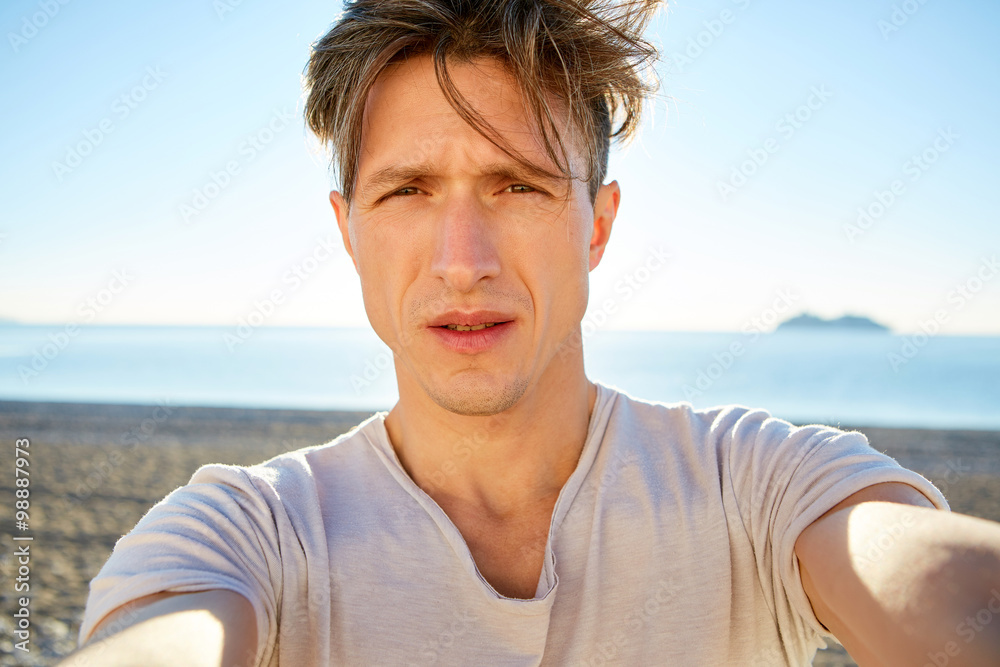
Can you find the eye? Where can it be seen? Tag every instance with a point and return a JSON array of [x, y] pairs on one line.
[[516, 188], [407, 191]]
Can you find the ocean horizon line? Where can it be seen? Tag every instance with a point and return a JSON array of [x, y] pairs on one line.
[[324, 327]]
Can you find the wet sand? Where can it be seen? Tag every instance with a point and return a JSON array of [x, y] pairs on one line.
[[95, 469]]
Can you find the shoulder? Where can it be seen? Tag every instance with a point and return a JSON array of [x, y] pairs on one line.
[[684, 419], [726, 430], [293, 473]]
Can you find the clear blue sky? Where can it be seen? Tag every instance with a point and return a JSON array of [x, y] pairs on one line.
[[201, 79]]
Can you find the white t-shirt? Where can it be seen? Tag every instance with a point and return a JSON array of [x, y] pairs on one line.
[[671, 543]]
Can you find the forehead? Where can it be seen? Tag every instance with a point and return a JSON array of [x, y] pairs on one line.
[[409, 121]]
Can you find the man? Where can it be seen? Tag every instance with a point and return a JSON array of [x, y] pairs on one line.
[[508, 511]]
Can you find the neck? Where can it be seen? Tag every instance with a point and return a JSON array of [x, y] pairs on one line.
[[503, 464]]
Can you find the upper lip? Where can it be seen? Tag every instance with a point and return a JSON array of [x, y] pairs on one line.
[[469, 318]]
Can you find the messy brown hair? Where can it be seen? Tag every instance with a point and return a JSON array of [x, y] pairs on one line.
[[590, 55]]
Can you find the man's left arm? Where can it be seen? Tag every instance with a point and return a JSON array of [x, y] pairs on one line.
[[899, 582]]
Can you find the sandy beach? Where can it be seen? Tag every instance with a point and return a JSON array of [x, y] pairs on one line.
[[95, 469]]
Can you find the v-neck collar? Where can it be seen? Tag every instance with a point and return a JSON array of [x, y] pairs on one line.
[[378, 437]]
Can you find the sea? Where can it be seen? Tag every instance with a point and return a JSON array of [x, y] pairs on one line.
[[839, 377]]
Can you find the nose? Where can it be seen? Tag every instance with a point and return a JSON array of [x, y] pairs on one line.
[[466, 249]]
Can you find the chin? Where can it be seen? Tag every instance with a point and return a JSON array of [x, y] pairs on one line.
[[479, 398]]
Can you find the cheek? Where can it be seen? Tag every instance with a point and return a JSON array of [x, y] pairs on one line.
[[561, 273], [577, 268], [378, 264]]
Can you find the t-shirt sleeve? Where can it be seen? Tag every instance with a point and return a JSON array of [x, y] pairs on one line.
[[217, 532], [786, 477]]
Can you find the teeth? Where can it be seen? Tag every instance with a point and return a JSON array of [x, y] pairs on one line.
[[462, 327]]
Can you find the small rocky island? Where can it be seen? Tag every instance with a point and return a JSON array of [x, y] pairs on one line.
[[806, 321]]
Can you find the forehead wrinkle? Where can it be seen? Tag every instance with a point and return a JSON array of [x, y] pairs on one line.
[[412, 78]]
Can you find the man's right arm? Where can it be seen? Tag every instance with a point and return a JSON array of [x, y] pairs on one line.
[[212, 628]]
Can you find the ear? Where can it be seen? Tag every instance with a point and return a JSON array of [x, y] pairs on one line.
[[605, 210], [340, 208]]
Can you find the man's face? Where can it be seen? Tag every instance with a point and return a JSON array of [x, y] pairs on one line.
[[448, 232]]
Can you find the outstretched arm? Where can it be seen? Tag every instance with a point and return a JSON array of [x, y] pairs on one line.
[[206, 629], [901, 583]]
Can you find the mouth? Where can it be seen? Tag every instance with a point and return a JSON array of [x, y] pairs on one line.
[[472, 332], [457, 320], [475, 327]]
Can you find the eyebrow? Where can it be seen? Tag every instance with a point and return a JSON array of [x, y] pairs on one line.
[[398, 174]]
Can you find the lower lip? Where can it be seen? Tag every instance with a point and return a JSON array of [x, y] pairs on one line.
[[473, 342]]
